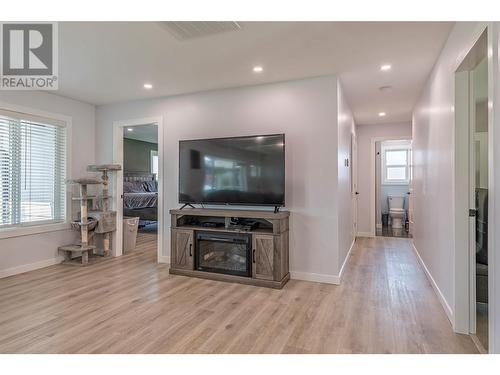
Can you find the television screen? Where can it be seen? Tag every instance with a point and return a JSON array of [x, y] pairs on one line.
[[243, 170]]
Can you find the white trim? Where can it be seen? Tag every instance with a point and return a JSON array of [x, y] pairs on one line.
[[118, 186], [19, 231], [29, 267], [494, 174], [341, 273], [446, 307], [461, 227], [373, 164], [164, 259], [384, 166], [315, 277], [365, 234]]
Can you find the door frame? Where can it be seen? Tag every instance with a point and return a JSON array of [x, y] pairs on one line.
[[354, 182], [463, 265], [118, 126], [373, 173]]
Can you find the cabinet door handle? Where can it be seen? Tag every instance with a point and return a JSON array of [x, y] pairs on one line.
[[190, 249], [253, 256]]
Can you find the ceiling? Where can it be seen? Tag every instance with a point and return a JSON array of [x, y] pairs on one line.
[[107, 62], [145, 133]]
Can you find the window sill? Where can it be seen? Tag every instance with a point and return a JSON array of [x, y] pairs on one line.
[[30, 230], [401, 183]]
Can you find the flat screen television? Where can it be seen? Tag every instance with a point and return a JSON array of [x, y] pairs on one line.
[[240, 171]]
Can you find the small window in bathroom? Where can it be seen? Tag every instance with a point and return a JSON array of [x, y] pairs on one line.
[[396, 165]]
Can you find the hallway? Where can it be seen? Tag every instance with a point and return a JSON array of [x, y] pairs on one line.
[[131, 304]]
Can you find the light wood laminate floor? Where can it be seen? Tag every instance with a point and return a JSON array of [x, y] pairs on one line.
[[132, 305]]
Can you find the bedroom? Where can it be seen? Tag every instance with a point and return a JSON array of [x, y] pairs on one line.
[[140, 187]]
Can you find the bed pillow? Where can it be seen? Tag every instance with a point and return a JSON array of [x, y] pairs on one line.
[[151, 186], [133, 187]]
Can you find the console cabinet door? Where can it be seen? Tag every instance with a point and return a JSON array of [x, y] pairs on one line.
[[182, 249], [263, 257]]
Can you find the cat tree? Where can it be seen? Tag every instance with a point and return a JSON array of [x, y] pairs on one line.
[[95, 218]]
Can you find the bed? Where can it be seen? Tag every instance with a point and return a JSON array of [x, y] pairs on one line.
[[140, 196]]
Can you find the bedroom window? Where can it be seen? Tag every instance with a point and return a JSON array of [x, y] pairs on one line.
[[154, 163], [32, 170], [396, 166]]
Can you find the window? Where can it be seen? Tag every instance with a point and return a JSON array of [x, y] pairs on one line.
[[32, 170], [154, 163], [396, 165]]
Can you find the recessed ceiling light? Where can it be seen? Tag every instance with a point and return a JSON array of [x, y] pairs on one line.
[[130, 129], [148, 86], [381, 114], [385, 67], [258, 69]]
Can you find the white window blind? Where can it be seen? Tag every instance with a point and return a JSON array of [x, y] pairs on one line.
[[32, 169]]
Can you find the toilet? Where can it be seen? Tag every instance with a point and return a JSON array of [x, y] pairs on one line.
[[396, 210]]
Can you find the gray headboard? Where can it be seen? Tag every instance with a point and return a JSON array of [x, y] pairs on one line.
[[138, 176]]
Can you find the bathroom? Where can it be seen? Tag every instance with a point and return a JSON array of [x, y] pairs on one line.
[[393, 188]]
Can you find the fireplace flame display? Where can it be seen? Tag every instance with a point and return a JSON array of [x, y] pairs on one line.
[[223, 253]]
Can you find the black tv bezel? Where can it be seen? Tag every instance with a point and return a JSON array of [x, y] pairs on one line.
[[281, 204]]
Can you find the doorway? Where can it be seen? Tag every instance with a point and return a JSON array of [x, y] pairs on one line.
[[140, 187], [473, 166], [391, 186], [139, 195]]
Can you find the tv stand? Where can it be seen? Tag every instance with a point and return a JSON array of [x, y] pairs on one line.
[[196, 253], [186, 205]]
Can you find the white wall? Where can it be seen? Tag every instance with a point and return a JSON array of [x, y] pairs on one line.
[[38, 250], [346, 130], [304, 110], [365, 134], [433, 158]]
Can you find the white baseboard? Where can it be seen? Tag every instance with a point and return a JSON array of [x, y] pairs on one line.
[[30, 267], [341, 273], [442, 300], [365, 234], [316, 277], [164, 259]]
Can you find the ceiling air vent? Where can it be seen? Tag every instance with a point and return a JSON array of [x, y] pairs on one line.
[[187, 30]]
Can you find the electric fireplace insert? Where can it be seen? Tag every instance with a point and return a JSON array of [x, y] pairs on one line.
[[228, 253]]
